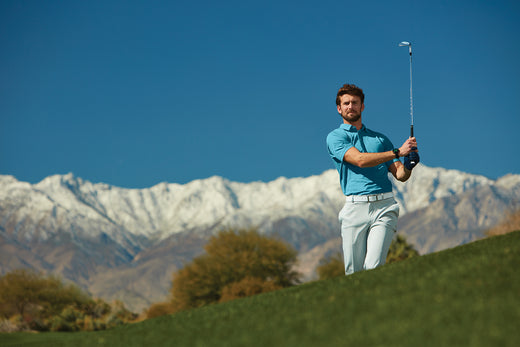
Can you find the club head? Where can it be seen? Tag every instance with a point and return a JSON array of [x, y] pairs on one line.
[[405, 44]]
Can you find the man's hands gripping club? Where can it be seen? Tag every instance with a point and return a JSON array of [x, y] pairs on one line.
[[410, 153], [354, 157]]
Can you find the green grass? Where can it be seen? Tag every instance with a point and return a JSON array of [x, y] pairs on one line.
[[465, 296]]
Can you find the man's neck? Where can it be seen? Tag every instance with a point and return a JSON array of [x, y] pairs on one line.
[[357, 124]]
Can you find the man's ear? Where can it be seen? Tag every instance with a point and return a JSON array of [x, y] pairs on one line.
[[362, 107], [339, 108]]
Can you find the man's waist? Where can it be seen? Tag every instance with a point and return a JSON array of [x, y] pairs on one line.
[[369, 198]]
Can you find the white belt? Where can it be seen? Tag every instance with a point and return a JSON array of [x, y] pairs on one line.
[[369, 198]]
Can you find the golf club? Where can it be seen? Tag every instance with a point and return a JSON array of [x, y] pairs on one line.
[[409, 45]]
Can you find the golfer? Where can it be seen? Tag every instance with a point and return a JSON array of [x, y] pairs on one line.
[[363, 159]]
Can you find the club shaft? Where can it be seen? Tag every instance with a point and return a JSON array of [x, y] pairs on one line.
[[411, 94]]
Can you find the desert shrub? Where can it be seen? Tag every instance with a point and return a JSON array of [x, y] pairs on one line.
[[15, 323], [331, 267], [58, 323], [400, 249], [159, 309], [88, 324], [120, 311], [29, 293], [44, 303], [38, 324], [96, 308], [20, 291], [114, 321], [230, 257], [247, 287], [70, 314], [6, 326]]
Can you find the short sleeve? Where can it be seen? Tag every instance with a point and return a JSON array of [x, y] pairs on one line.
[[338, 143]]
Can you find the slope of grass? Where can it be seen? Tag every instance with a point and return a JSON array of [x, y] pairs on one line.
[[465, 296]]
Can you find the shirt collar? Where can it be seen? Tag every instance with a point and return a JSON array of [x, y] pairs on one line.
[[351, 128]]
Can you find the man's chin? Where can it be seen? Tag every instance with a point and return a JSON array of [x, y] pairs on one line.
[[353, 118]]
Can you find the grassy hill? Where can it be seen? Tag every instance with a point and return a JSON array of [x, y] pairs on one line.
[[465, 296]]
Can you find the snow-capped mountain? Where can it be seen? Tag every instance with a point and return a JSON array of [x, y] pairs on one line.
[[121, 243]]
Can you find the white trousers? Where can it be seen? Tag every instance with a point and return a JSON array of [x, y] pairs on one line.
[[367, 229]]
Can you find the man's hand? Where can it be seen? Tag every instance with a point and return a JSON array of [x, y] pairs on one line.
[[411, 160], [408, 147], [409, 151]]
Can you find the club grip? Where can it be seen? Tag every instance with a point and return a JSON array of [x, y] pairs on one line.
[[411, 130]]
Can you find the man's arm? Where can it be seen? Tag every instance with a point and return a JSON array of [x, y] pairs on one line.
[[399, 171], [355, 157]]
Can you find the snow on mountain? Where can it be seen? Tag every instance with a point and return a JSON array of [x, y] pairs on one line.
[[429, 184], [159, 211], [71, 204]]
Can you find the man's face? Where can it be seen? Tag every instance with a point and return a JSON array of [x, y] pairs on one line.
[[350, 108]]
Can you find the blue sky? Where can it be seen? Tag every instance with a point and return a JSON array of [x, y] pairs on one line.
[[133, 93]]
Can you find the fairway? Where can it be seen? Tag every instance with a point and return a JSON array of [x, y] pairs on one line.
[[465, 296]]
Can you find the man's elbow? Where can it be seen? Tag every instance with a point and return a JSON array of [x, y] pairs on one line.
[[361, 162], [402, 179], [403, 175]]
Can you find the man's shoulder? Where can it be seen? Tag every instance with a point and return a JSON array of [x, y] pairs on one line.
[[337, 133]]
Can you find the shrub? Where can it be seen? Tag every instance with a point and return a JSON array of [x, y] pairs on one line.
[[400, 249], [58, 323], [230, 257], [14, 324], [331, 267], [44, 303], [159, 309], [247, 287]]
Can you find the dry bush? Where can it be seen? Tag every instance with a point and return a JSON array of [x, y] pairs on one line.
[[247, 287], [331, 266], [231, 256], [159, 309]]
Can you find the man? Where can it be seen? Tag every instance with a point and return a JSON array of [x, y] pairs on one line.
[[363, 159]]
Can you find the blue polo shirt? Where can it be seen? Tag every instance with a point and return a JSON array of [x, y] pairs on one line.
[[355, 180]]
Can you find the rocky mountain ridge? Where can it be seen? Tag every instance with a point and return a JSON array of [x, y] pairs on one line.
[[125, 243]]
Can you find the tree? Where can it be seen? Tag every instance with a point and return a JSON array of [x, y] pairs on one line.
[[46, 303], [55, 296], [20, 290], [333, 266], [230, 257], [159, 309], [247, 287], [400, 249]]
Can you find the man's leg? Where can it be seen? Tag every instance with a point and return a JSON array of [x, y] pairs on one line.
[[381, 233], [354, 228]]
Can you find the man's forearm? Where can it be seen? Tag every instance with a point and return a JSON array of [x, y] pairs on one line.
[[355, 157], [403, 174]]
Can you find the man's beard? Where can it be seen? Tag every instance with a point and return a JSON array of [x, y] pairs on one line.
[[352, 118]]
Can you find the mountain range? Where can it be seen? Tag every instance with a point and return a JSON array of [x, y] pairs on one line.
[[125, 244]]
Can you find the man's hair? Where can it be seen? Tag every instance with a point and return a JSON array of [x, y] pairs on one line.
[[350, 89]]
